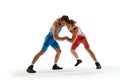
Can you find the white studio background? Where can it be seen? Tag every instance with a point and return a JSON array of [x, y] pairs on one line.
[[25, 23]]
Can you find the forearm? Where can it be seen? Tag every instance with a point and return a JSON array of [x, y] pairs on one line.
[[70, 40]]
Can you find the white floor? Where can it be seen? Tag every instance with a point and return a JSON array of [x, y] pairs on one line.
[[106, 73]]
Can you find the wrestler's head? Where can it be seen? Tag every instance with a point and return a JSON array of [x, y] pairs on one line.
[[64, 20]]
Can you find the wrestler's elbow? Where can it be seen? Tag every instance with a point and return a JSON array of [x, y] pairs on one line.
[[70, 40], [56, 37]]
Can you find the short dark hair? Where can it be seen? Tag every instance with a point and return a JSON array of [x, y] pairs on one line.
[[65, 17]]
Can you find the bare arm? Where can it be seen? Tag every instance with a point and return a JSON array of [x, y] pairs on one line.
[[74, 35], [55, 29]]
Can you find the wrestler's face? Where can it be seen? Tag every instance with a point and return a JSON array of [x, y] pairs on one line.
[[64, 23]]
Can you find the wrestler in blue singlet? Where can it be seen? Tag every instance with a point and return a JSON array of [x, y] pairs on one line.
[[50, 41]]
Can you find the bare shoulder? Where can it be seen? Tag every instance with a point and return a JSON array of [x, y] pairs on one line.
[[55, 24], [56, 21], [75, 30]]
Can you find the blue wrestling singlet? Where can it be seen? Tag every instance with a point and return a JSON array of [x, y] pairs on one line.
[[50, 41]]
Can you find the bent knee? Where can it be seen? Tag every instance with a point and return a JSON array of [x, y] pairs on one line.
[[58, 51], [72, 50]]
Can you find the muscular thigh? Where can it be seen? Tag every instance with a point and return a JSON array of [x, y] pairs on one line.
[[55, 45]]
